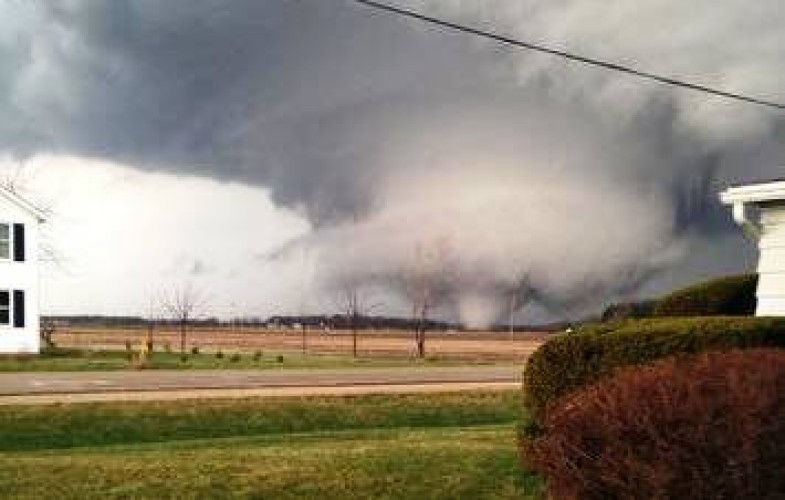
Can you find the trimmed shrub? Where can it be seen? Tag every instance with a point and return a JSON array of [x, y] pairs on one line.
[[729, 296], [569, 362], [706, 426], [257, 355], [140, 362], [195, 350], [234, 358]]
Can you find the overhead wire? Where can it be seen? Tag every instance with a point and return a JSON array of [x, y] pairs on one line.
[[591, 61]]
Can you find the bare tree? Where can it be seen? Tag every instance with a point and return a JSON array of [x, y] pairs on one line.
[[426, 284], [152, 315], [19, 181], [183, 304], [355, 302], [47, 331]]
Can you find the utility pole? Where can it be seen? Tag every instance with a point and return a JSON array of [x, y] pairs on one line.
[[304, 287], [512, 315]]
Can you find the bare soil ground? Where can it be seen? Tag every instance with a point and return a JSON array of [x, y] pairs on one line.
[[473, 345]]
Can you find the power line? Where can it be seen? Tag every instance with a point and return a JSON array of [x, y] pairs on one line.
[[566, 55]]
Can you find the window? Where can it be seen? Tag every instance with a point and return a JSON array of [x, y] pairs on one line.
[[5, 307], [5, 241], [19, 308], [12, 308], [19, 242]]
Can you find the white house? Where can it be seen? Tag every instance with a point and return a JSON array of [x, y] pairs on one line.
[[760, 210], [19, 314]]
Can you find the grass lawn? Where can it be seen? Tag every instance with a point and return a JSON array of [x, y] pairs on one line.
[[88, 360], [452, 445]]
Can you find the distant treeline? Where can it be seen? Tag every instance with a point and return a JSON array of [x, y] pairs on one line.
[[335, 321], [556, 326], [123, 321], [341, 321]]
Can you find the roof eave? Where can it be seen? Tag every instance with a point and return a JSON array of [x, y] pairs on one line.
[[754, 193], [17, 200]]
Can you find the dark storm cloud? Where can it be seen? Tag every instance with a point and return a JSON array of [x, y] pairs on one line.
[[299, 95], [288, 93], [328, 103]]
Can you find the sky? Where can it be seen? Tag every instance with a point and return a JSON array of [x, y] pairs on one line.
[[269, 152]]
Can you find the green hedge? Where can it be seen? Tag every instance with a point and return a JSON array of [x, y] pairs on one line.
[[728, 296], [629, 310], [572, 361]]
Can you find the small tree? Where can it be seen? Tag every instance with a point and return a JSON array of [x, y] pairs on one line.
[[153, 314], [355, 303], [47, 331], [426, 283], [182, 305]]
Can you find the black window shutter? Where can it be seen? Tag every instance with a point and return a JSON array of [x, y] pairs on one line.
[[19, 242], [19, 308]]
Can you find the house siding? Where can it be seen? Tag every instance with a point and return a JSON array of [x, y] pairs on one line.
[[21, 276]]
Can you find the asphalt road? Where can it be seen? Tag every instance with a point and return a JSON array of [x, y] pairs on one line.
[[176, 384]]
